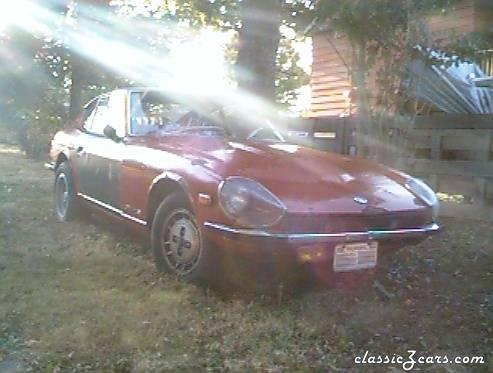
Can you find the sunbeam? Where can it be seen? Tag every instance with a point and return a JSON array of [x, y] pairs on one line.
[[181, 60]]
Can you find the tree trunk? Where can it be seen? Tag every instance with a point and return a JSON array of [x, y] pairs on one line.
[[78, 83], [258, 42]]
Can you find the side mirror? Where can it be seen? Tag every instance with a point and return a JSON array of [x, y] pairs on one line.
[[110, 133]]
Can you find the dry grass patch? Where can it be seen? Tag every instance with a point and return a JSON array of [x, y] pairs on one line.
[[81, 297]]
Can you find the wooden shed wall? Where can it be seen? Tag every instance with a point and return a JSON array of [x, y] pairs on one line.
[[459, 21], [330, 82]]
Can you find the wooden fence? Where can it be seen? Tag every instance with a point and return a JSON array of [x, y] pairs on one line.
[[453, 153]]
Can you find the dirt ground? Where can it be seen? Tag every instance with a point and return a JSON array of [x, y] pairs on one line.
[[79, 297]]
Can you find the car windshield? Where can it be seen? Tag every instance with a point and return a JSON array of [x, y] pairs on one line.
[[153, 111]]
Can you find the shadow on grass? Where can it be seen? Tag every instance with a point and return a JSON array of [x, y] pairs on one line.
[[235, 278]]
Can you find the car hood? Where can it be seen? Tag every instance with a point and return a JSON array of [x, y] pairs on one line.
[[306, 180]]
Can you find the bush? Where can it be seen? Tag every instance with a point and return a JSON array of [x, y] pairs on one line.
[[37, 122], [35, 131]]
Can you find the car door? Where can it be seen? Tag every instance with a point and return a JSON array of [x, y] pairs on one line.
[[136, 173], [81, 158], [98, 156], [143, 161]]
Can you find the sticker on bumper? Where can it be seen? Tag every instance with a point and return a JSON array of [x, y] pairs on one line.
[[355, 256]]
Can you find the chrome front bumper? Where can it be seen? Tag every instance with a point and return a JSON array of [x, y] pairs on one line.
[[396, 234]]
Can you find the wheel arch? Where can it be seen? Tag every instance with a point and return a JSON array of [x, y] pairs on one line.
[[62, 157], [162, 186]]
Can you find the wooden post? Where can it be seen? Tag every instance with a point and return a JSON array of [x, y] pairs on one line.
[[482, 154], [436, 149]]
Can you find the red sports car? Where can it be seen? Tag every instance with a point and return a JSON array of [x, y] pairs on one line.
[[204, 180]]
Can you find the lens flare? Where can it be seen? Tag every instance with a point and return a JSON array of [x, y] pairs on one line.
[[11, 13], [148, 52]]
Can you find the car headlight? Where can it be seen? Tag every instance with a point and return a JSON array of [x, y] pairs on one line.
[[249, 203], [421, 190]]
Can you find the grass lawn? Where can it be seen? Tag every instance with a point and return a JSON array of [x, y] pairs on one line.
[[79, 297]]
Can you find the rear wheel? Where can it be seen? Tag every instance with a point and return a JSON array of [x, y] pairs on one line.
[[177, 241], [66, 204]]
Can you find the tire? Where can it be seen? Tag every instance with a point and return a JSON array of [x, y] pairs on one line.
[[66, 203], [177, 241]]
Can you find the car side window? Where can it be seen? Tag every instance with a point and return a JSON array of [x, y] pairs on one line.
[[88, 115], [103, 111], [116, 108], [101, 117]]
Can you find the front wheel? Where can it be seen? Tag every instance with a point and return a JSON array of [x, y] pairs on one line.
[[177, 241], [66, 204]]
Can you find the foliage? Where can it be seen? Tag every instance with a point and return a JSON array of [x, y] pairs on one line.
[[35, 91], [32, 108], [226, 15], [39, 123], [472, 46], [48, 69], [289, 75]]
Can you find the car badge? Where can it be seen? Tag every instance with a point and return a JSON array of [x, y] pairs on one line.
[[360, 200]]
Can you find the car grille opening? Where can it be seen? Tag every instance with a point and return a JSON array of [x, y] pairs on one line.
[[335, 223]]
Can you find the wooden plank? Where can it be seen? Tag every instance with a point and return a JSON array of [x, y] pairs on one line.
[[320, 47], [329, 79], [331, 57], [331, 99], [330, 85], [315, 80], [454, 121], [455, 13], [467, 140], [466, 25], [420, 140], [329, 106], [339, 89], [483, 15], [460, 20], [329, 66], [484, 145], [330, 63], [325, 113], [448, 26], [328, 99], [325, 41], [328, 52], [436, 145], [332, 89], [335, 70], [451, 33], [471, 134], [458, 168], [482, 154], [464, 16], [460, 9]]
